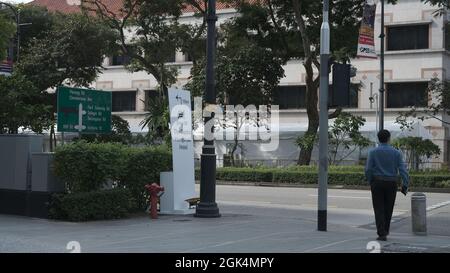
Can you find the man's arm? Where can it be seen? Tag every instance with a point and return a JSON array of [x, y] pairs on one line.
[[368, 170], [402, 170]]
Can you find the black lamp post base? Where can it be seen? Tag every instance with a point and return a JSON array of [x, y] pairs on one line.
[[207, 210]]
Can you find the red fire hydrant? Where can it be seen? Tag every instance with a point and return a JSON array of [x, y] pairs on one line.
[[155, 192]]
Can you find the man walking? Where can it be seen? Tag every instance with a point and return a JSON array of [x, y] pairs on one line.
[[384, 163]]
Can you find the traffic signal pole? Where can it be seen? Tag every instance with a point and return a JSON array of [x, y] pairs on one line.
[[382, 38]]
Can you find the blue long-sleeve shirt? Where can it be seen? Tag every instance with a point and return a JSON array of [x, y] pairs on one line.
[[385, 161]]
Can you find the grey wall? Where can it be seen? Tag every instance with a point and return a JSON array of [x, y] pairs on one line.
[[15, 159]]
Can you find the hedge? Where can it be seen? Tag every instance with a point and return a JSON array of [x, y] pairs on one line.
[[94, 205], [339, 176], [86, 167], [142, 167]]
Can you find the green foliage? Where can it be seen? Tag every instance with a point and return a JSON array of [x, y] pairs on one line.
[[307, 140], [60, 55], [94, 205], [246, 76], [155, 34], [7, 30], [338, 175], [273, 24], [120, 132], [157, 120], [22, 105], [41, 22], [143, 166], [440, 91], [53, 51], [415, 148], [345, 136], [87, 166], [291, 29], [243, 174]]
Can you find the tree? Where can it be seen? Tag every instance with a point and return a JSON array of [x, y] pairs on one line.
[[39, 21], [22, 105], [244, 76], [70, 52], [345, 137], [7, 30], [415, 149], [292, 30], [157, 120], [149, 34]]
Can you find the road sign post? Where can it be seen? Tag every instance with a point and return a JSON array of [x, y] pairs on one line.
[[84, 111]]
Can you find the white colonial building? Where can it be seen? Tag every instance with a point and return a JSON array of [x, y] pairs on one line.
[[417, 50]]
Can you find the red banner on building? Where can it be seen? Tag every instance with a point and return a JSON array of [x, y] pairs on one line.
[[366, 42]]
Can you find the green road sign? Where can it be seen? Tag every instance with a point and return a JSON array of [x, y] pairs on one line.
[[84, 110]]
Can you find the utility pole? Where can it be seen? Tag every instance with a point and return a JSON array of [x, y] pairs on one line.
[[382, 36], [323, 119], [18, 34], [207, 207]]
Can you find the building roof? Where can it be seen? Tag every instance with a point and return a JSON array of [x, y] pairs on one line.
[[72, 6]]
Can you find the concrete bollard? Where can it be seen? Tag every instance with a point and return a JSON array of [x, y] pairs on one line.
[[419, 213]]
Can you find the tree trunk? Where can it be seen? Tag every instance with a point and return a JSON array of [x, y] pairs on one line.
[[312, 111], [305, 153], [233, 150]]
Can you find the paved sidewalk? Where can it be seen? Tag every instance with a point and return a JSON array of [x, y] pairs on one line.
[[240, 229]]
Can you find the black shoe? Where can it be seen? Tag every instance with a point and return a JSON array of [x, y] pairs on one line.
[[382, 238]]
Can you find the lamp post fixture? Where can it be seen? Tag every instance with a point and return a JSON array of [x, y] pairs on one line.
[[207, 207]]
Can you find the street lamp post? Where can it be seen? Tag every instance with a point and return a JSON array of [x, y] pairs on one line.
[[382, 89], [16, 12], [207, 207], [323, 119]]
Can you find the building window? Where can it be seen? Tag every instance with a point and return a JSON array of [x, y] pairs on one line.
[[290, 97], [124, 101], [120, 60], [407, 37], [402, 95]]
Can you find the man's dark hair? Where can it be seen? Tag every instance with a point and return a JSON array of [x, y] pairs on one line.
[[384, 136]]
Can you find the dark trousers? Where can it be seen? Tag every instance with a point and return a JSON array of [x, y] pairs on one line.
[[383, 200]]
